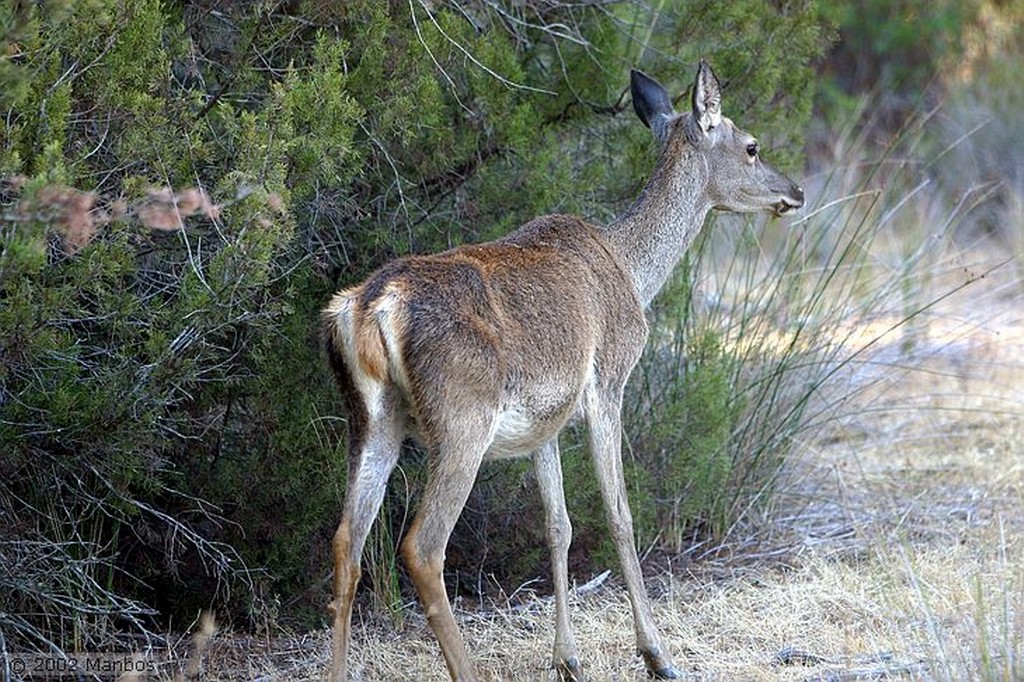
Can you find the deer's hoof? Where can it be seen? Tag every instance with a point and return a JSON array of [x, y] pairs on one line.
[[668, 672], [658, 666], [570, 670]]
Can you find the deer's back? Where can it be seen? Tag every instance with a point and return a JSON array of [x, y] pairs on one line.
[[520, 324]]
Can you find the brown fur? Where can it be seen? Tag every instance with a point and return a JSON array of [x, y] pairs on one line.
[[488, 351]]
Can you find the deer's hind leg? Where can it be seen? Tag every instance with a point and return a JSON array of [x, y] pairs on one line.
[[456, 459], [375, 442]]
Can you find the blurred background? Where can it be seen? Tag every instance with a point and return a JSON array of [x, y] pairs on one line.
[[184, 184]]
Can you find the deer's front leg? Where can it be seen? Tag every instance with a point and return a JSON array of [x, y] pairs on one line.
[[604, 422], [548, 466]]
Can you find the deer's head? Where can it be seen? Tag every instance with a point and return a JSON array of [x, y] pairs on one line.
[[738, 180]]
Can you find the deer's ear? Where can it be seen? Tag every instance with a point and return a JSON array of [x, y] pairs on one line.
[[707, 98], [651, 103]]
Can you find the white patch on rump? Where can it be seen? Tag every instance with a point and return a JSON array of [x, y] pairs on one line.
[[343, 333]]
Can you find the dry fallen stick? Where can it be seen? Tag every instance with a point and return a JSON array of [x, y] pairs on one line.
[[875, 666]]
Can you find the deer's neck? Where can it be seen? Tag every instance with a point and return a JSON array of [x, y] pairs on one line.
[[656, 230]]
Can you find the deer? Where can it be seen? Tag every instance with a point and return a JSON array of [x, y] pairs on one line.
[[487, 351]]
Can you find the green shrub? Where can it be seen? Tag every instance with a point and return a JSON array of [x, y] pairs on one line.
[[184, 188], [691, 409]]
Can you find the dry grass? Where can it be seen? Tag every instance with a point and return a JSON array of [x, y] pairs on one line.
[[897, 550]]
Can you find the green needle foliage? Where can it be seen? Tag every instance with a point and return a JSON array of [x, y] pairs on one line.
[[184, 187]]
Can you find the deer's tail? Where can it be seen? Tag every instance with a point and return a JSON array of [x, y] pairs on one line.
[[363, 337]]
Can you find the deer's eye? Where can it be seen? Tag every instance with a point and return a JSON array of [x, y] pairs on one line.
[[752, 149]]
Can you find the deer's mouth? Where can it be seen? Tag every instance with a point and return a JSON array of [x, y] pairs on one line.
[[784, 207], [788, 204]]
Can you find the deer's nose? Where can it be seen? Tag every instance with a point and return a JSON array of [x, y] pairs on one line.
[[798, 194]]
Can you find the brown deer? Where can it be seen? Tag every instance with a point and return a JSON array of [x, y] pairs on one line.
[[487, 351]]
